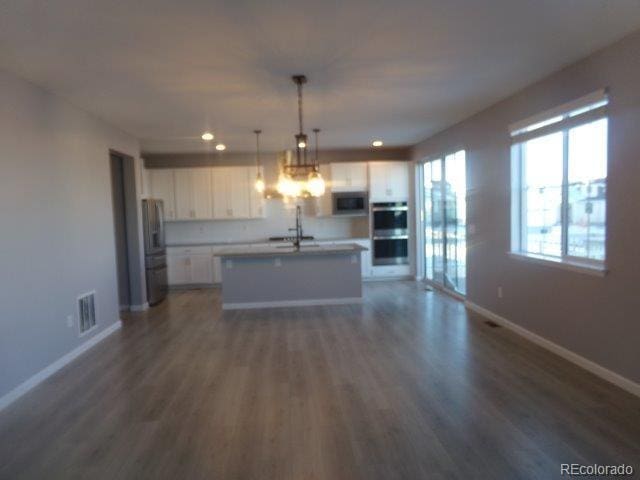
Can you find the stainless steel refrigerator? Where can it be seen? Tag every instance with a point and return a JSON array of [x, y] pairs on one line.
[[155, 254]]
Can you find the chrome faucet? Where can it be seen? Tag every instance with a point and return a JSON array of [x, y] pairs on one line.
[[298, 228]]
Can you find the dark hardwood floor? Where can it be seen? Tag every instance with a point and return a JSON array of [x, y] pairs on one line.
[[406, 386]]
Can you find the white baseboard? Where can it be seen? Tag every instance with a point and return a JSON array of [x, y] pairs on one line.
[[602, 372], [292, 303], [139, 308], [45, 373]]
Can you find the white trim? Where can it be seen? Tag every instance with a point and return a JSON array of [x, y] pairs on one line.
[[442, 289], [46, 372], [598, 370], [292, 303], [596, 270], [564, 109], [139, 308]]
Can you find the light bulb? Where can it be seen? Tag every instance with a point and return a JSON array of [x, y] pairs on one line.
[[207, 136], [377, 143], [302, 145], [259, 184], [221, 147], [315, 184]]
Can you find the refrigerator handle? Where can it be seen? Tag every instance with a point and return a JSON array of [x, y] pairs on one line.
[[160, 220]]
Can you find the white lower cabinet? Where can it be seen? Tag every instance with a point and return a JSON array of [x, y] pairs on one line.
[[381, 271], [178, 267], [189, 266]]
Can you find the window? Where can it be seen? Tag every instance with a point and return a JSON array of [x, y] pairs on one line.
[[559, 179]]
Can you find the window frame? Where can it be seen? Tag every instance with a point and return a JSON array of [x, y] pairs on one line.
[[587, 109]]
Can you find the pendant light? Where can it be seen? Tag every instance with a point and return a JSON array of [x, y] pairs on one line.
[[295, 177], [315, 183], [259, 184]]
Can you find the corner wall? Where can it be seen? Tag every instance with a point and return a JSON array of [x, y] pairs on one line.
[[57, 231], [597, 318]]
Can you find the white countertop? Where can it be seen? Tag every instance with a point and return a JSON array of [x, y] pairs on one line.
[[259, 242]]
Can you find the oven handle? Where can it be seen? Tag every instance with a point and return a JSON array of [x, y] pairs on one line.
[[393, 237], [390, 209]]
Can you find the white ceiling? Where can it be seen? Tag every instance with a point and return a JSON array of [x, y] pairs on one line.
[[165, 71]]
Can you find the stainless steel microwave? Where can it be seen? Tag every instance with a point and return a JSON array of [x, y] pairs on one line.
[[350, 203]]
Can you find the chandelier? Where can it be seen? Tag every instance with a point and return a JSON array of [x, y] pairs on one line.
[[301, 177]]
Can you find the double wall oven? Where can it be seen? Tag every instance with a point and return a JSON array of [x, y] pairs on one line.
[[390, 233]]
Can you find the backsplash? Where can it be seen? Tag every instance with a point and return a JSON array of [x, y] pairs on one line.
[[279, 218]]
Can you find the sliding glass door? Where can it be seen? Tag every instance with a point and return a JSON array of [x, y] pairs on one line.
[[444, 218]]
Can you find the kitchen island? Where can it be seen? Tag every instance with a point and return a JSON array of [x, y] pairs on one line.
[[283, 276]]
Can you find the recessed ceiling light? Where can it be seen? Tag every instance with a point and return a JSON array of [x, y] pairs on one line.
[[207, 136], [220, 147], [377, 143]]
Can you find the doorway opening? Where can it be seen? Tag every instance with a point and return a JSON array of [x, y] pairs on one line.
[[117, 166], [444, 221]]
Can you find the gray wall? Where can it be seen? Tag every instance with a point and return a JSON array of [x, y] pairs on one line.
[[597, 318], [57, 238]]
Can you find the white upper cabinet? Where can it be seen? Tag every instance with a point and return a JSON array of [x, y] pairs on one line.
[[240, 187], [161, 184], [389, 181], [193, 193], [349, 177], [232, 189], [324, 204]]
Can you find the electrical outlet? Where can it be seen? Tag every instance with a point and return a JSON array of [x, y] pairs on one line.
[[70, 321], [499, 292]]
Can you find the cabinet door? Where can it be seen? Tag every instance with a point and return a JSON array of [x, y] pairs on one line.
[[201, 192], [256, 199], [388, 181], [238, 192], [193, 193], [217, 269], [349, 177], [398, 181], [184, 194], [161, 182], [366, 259], [340, 177], [201, 269], [178, 269], [219, 182], [377, 181], [358, 176]]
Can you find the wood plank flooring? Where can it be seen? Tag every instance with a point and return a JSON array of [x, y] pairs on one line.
[[408, 385]]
